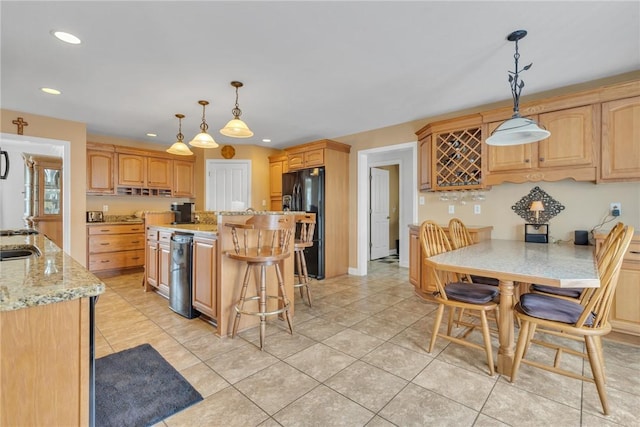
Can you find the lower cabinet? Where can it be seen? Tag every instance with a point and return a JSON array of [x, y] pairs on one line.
[[204, 275], [115, 247], [158, 260]]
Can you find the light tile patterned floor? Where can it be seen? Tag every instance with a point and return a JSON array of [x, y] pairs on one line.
[[358, 357]]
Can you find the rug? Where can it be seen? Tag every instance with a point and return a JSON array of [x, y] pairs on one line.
[[137, 387]]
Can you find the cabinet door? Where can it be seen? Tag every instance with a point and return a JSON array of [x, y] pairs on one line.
[[457, 159], [204, 276], [313, 158], [512, 157], [415, 258], [621, 140], [132, 170], [159, 172], [625, 312], [164, 263], [275, 179], [572, 140], [424, 163], [183, 179], [100, 172], [151, 266], [295, 161]]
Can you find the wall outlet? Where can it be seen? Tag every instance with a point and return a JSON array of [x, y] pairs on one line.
[[421, 200], [452, 209], [105, 208], [476, 209], [264, 203], [615, 209]]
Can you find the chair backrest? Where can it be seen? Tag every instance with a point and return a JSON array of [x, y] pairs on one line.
[[603, 255], [305, 225], [458, 234], [434, 241], [598, 303], [265, 234]]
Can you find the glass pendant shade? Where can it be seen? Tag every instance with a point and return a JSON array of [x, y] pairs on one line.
[[179, 147], [203, 140], [236, 128], [516, 131]]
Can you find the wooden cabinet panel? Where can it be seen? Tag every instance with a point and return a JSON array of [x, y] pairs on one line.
[[100, 172], [132, 170], [151, 264], [183, 179], [275, 179], [99, 229], [509, 158], [572, 139], [424, 163], [115, 247], [164, 267], [204, 276], [116, 260], [159, 172], [306, 159], [621, 140], [415, 255]]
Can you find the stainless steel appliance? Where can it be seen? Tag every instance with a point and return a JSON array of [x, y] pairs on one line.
[[183, 213], [95, 216], [303, 190], [180, 283], [4, 172]]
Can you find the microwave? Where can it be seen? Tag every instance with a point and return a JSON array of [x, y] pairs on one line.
[[95, 216]]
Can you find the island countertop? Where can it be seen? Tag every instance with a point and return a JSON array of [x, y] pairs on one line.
[[49, 278]]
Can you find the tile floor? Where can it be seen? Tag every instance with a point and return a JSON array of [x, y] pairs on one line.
[[357, 358]]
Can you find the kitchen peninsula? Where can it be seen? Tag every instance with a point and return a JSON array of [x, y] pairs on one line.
[[46, 325], [216, 278]]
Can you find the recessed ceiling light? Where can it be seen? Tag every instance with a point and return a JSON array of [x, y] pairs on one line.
[[66, 37], [266, 140], [50, 91], [151, 134]]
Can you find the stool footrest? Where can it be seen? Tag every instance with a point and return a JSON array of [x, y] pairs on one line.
[[284, 308]]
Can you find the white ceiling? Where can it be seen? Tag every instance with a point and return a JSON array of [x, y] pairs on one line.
[[311, 69]]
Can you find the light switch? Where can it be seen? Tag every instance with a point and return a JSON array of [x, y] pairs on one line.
[[421, 200], [452, 209], [476, 209]]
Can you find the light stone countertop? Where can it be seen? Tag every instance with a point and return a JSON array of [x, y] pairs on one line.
[[52, 277]]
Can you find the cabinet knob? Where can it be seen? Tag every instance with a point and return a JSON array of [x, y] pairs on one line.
[[542, 159], [527, 160], [104, 244]]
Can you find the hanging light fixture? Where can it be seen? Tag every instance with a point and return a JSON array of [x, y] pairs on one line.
[[179, 147], [517, 130], [203, 139], [236, 128]]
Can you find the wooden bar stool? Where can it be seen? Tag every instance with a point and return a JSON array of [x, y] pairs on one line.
[[305, 224], [262, 241]]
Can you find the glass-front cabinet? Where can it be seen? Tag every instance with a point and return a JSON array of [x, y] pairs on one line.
[[43, 195]]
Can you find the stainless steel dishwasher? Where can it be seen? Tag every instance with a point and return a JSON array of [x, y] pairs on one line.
[[180, 284]]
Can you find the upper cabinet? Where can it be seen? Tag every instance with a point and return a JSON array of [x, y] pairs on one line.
[[451, 154], [313, 154], [621, 140], [128, 171], [570, 151], [277, 166]]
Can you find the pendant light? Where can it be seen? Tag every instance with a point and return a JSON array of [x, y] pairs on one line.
[[179, 147], [236, 128], [517, 130], [203, 139]]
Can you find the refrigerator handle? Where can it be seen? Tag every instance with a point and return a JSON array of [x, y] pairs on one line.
[[3, 175]]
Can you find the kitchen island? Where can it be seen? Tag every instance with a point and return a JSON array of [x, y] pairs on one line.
[[46, 342], [216, 278]]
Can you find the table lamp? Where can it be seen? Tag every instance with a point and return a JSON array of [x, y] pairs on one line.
[[536, 232]]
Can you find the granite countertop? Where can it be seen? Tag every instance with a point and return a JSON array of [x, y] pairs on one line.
[[205, 229], [52, 277]]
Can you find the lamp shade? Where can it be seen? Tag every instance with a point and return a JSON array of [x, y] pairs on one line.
[[180, 148], [236, 128], [203, 140], [537, 206], [516, 131]]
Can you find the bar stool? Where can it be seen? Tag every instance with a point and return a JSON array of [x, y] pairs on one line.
[[263, 241], [305, 225]]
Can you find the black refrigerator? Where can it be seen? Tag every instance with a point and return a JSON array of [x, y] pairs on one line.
[[303, 190]]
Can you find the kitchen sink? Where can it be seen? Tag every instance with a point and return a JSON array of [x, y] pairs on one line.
[[8, 253]]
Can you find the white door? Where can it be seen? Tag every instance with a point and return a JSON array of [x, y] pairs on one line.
[[379, 213], [228, 185]]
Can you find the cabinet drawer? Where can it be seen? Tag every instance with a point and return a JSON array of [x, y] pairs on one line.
[[111, 243], [633, 253], [152, 234], [164, 236], [116, 229], [109, 261]]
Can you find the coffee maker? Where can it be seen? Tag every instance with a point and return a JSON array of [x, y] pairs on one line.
[[183, 213]]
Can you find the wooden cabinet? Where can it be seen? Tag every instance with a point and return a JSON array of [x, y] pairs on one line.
[[625, 310], [312, 157], [159, 172], [164, 262], [151, 259], [621, 140], [115, 247], [43, 196], [421, 275], [204, 275], [132, 170], [570, 151], [183, 178], [277, 166], [158, 258], [100, 168], [455, 159]]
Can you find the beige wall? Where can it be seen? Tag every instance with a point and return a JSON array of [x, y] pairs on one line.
[[75, 133]]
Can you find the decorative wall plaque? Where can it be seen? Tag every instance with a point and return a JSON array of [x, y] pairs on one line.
[[551, 207]]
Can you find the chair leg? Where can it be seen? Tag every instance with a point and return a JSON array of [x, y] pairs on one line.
[[240, 305], [305, 274], [285, 300], [523, 341], [436, 327], [298, 258], [487, 341], [598, 341], [452, 315], [597, 364], [263, 304]]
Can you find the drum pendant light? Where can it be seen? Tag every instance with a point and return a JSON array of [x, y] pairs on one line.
[[236, 128], [179, 147], [203, 139], [517, 130]]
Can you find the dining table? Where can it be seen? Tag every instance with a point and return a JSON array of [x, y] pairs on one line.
[[562, 265]]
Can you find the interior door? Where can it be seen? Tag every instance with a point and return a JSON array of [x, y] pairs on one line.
[[379, 213], [228, 185]]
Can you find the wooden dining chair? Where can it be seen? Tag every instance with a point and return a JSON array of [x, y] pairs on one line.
[[586, 320], [460, 237], [456, 294], [305, 226]]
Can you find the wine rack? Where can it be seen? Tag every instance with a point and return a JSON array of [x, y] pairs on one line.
[[457, 159]]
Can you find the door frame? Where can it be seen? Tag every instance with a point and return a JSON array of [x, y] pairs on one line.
[[405, 155]]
